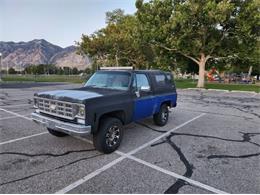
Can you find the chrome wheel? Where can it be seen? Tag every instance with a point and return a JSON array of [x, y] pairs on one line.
[[112, 136], [164, 115], [161, 118]]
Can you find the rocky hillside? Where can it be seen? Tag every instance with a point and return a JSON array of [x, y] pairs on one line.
[[39, 51], [68, 57]]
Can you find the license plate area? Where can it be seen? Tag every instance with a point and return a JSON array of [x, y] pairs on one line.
[[51, 125]]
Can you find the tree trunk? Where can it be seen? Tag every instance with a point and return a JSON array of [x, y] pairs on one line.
[[201, 64], [116, 58]]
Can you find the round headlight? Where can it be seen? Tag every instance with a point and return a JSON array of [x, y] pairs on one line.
[[81, 111], [36, 103]]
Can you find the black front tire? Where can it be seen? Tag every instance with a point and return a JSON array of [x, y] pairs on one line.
[[56, 133], [161, 118], [109, 135]]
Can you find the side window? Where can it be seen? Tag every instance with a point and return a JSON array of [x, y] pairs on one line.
[[169, 77], [141, 81], [160, 79], [170, 80]]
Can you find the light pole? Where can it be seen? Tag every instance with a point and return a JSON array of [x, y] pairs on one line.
[[0, 66]]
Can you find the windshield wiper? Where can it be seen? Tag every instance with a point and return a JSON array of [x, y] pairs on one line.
[[95, 86], [90, 86]]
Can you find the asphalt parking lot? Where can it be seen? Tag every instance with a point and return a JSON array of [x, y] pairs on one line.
[[211, 144]]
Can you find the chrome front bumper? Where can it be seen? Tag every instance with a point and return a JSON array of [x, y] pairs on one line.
[[57, 125]]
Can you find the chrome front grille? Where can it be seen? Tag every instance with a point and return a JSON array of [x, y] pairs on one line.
[[56, 108]]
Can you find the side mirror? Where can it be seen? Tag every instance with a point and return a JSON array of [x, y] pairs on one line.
[[145, 88]]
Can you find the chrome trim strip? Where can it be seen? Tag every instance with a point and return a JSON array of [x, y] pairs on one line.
[[60, 125]]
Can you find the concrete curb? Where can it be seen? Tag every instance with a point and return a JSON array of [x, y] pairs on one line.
[[221, 90], [224, 90], [198, 89], [237, 91]]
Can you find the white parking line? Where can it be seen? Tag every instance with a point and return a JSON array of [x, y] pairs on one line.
[[89, 176], [22, 138], [11, 117], [123, 156], [18, 105], [13, 113], [175, 175], [164, 135], [114, 162]]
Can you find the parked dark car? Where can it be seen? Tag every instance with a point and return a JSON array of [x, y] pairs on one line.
[[108, 100]]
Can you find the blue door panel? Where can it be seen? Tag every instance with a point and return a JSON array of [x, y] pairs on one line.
[[143, 108]]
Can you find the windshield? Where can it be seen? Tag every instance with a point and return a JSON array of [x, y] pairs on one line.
[[110, 80]]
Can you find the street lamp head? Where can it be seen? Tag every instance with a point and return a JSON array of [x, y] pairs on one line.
[[0, 54]]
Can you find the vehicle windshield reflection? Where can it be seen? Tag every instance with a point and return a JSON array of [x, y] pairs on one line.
[[109, 80]]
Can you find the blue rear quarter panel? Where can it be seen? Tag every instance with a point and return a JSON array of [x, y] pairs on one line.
[[164, 98], [151, 105]]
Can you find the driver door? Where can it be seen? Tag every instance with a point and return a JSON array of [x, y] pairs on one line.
[[144, 101]]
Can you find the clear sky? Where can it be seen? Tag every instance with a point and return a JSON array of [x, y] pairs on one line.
[[60, 22]]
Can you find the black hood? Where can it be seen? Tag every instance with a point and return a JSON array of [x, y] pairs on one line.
[[79, 95]]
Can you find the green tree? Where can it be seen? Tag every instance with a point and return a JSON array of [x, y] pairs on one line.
[[60, 71], [40, 69], [116, 44], [75, 70], [31, 69], [51, 69], [88, 71], [28, 70], [200, 30], [11, 71], [67, 70], [115, 16]]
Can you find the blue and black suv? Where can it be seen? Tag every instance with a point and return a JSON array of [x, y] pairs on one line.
[[108, 100]]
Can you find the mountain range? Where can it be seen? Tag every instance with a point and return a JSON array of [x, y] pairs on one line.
[[39, 51]]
